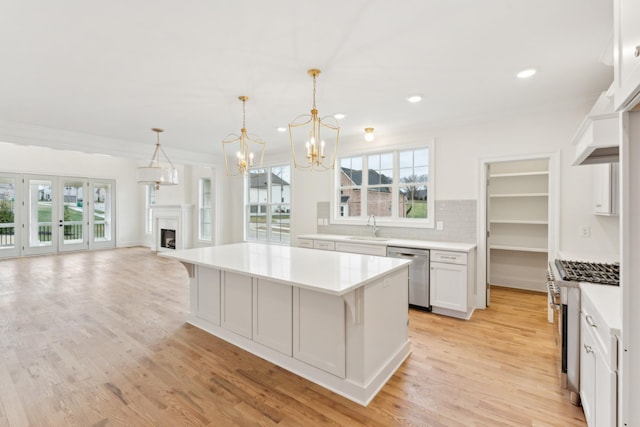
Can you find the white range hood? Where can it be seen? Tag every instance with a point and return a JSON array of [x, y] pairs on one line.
[[598, 138]]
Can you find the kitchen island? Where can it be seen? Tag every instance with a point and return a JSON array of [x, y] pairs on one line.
[[336, 319]]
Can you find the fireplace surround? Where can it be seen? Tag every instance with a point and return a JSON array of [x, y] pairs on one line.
[[171, 227]]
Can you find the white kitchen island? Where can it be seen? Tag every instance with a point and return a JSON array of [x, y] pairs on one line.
[[337, 319]]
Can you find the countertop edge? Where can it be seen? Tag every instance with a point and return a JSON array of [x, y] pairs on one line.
[[405, 243]]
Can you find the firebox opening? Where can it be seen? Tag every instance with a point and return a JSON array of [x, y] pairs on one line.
[[167, 238]]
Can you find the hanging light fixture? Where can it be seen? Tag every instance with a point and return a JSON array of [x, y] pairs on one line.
[[369, 135], [155, 173], [244, 157], [308, 128]]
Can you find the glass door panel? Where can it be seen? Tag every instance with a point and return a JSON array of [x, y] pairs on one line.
[[72, 220], [40, 215], [102, 214], [9, 216]]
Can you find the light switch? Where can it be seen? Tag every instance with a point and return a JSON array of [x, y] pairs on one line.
[[439, 225]]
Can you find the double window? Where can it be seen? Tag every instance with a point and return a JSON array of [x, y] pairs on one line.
[[395, 186], [268, 204]]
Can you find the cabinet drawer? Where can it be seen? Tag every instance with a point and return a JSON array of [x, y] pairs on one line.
[[323, 244], [605, 340], [449, 257], [305, 243]]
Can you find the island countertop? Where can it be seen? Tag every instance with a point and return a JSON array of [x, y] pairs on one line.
[[335, 273]]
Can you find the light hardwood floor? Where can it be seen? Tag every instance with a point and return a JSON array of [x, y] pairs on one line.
[[99, 338]]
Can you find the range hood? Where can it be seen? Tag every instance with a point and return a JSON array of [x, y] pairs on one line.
[[598, 138]]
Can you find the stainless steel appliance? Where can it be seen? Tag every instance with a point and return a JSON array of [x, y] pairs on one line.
[[563, 283], [418, 275]]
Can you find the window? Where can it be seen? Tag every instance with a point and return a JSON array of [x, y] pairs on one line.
[[150, 200], [204, 209], [268, 204], [394, 186]]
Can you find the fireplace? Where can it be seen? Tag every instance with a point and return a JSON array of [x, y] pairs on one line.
[[167, 238], [171, 227]]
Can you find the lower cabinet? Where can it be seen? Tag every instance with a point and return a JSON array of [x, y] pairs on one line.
[[272, 305], [236, 304], [448, 280], [319, 331], [598, 381], [207, 302]]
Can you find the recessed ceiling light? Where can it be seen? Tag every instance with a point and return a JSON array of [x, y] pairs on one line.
[[339, 116], [281, 129], [415, 98], [525, 74]]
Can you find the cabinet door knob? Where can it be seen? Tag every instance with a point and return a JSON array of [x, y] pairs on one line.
[[590, 322], [636, 52], [588, 348]]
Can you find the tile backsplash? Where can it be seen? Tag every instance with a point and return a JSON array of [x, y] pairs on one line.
[[459, 218]]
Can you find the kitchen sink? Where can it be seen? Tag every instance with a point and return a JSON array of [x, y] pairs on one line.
[[375, 239]]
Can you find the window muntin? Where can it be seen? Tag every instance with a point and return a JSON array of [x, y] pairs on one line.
[[396, 187], [268, 207]]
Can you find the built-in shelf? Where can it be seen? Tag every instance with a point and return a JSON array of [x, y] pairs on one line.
[[511, 175], [518, 248], [521, 195], [517, 221]]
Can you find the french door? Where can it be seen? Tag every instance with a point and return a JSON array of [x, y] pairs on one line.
[[10, 211], [73, 221], [42, 214]]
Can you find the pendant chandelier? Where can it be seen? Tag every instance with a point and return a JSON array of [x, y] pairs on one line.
[[155, 173], [245, 154], [319, 153]]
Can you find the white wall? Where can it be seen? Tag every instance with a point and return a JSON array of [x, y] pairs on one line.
[[45, 161]]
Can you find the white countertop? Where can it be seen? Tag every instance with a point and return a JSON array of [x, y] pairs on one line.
[[608, 301], [404, 243], [335, 273]]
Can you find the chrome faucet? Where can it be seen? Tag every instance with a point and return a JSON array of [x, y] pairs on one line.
[[375, 227]]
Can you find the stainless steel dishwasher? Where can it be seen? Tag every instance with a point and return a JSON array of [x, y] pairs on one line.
[[418, 275]]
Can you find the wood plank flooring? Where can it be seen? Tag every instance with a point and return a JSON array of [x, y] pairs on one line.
[[100, 339]]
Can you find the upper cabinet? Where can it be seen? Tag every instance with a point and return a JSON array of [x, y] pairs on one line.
[[626, 54], [605, 189]]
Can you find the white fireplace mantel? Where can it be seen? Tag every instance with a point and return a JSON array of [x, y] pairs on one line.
[[174, 217]]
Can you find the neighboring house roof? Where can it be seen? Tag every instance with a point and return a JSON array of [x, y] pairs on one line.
[[260, 179], [355, 176]]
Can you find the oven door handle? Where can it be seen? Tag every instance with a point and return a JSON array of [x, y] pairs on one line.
[[552, 297]]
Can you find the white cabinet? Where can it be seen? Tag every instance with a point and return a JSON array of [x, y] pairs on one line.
[[207, 301], [236, 307], [626, 54], [319, 330], [451, 279], [605, 189], [598, 362], [272, 311]]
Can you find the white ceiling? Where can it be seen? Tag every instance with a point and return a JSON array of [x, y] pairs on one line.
[[117, 68]]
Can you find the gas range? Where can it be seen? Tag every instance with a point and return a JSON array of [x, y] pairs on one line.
[[591, 272]]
